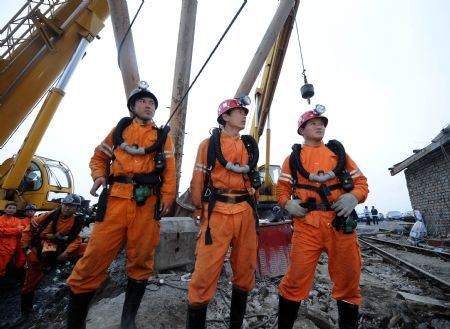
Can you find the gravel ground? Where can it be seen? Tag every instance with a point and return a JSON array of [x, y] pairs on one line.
[[164, 306]]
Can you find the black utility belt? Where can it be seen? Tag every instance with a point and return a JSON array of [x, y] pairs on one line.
[[311, 206], [122, 179], [138, 179], [230, 198]]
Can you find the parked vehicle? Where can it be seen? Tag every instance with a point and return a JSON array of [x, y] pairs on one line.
[[408, 216], [393, 215]]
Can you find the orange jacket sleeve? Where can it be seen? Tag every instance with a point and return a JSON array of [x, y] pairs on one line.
[[169, 186], [74, 245], [198, 176], [103, 153], [31, 229], [361, 189], [284, 184], [10, 231]]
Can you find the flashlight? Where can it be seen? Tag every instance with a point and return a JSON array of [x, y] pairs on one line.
[[319, 109], [143, 85], [244, 100]]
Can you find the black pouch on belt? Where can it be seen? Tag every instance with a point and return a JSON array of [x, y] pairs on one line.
[[101, 205]]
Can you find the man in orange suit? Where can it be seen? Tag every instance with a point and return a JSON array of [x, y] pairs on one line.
[[10, 232], [223, 187], [320, 185], [135, 165]]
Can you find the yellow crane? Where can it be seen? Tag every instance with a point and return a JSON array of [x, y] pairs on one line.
[[264, 95], [41, 44]]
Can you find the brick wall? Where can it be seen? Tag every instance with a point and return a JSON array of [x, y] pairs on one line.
[[428, 181]]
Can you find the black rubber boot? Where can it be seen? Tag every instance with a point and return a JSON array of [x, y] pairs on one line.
[[348, 315], [78, 308], [287, 313], [26, 303], [133, 296], [20, 276], [196, 317], [238, 306]]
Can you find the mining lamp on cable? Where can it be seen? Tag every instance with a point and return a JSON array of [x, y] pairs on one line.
[[319, 109], [244, 100], [143, 85]]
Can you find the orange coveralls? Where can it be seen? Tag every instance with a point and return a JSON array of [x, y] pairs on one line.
[[21, 257], [314, 233], [229, 224], [10, 231], [35, 266], [124, 219]]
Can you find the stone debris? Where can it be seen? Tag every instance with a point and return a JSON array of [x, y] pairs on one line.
[[392, 299]]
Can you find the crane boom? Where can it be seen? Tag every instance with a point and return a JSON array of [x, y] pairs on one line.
[[42, 43]]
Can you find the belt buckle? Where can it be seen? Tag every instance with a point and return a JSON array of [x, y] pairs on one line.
[[232, 199]]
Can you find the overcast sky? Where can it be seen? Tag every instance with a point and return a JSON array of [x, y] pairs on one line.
[[380, 67]]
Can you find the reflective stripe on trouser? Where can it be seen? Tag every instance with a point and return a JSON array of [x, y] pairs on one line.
[[123, 220], [238, 229], [344, 261]]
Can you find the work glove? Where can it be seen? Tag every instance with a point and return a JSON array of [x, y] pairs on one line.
[[293, 207], [59, 237], [345, 204]]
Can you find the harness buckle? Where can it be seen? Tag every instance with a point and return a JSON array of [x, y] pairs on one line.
[[207, 193]]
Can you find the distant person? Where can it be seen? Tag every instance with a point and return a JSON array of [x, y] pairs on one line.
[[30, 181], [21, 257], [374, 213], [10, 233], [418, 215], [418, 232], [222, 194], [320, 186], [367, 215], [50, 239], [135, 164]]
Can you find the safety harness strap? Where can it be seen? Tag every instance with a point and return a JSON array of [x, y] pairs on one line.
[[154, 178], [212, 195], [323, 190]]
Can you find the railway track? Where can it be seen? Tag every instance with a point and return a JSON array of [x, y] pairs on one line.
[[421, 262], [430, 252]]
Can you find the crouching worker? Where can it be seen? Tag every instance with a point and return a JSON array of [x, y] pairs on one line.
[[320, 186], [135, 165], [49, 239], [223, 187]]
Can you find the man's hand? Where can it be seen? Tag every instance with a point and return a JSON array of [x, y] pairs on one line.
[[294, 208], [345, 204], [164, 208], [99, 181], [62, 257]]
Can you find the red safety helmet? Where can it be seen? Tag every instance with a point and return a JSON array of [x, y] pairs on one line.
[[233, 103], [308, 115]]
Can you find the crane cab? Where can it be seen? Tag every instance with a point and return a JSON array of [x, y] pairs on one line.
[[267, 192], [45, 183]]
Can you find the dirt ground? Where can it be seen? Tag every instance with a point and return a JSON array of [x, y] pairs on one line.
[[164, 306]]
